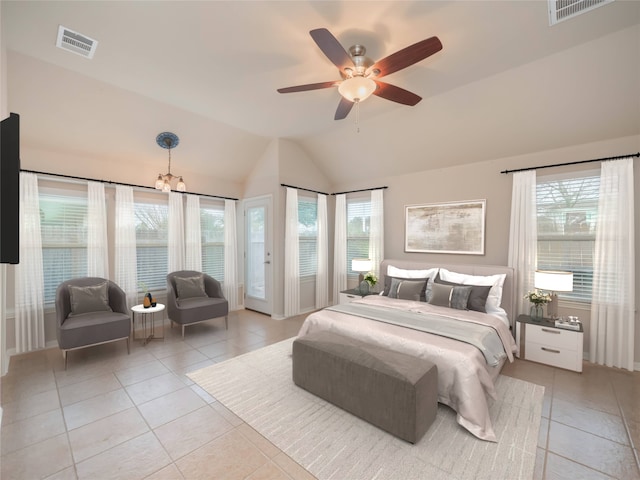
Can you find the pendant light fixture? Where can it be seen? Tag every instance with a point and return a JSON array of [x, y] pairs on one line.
[[169, 140]]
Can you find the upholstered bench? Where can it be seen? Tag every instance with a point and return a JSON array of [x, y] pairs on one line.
[[391, 390]]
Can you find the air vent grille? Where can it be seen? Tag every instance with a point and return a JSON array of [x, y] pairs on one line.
[[76, 42], [560, 10]]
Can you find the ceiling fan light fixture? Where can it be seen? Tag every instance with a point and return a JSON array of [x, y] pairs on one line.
[[357, 89]]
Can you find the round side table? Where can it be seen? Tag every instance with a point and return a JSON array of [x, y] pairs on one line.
[[147, 319]]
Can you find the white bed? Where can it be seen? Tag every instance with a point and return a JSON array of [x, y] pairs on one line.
[[465, 380]]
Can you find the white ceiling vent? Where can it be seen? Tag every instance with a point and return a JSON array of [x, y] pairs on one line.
[[76, 42], [560, 10]]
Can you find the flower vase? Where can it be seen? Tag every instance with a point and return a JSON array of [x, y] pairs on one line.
[[536, 312], [363, 288]]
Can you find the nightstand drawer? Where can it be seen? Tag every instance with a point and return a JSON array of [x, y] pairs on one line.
[[348, 298], [553, 337], [554, 356]]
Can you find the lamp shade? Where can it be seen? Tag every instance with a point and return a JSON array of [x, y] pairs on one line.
[[361, 264], [357, 88], [554, 281]]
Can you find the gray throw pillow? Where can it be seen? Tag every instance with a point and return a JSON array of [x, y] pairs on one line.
[[424, 282], [477, 298], [407, 289], [450, 296], [92, 298], [189, 287]]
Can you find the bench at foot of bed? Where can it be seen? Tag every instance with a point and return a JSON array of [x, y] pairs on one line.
[[391, 390]]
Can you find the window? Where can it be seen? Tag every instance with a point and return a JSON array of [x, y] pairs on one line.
[[308, 236], [212, 232], [358, 222], [63, 226], [567, 210], [152, 236]]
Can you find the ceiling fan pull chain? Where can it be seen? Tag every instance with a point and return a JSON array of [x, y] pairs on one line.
[[357, 116]]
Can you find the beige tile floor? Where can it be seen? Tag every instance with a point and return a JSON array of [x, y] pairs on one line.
[[113, 415]]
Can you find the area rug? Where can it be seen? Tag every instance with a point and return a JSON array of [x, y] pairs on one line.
[[333, 444]]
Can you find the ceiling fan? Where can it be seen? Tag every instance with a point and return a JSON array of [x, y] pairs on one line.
[[360, 75]]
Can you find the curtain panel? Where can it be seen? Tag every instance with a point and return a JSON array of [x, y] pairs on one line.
[[230, 255], [126, 268], [613, 304], [193, 237], [176, 233], [523, 236], [340, 248], [322, 248], [292, 257], [29, 278], [376, 231], [97, 247]]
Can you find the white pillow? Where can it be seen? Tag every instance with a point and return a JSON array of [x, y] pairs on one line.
[[494, 299], [401, 273]]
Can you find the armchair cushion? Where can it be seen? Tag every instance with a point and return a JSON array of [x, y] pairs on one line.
[[189, 287], [91, 298], [93, 327]]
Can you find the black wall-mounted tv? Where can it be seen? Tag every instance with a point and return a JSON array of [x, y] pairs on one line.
[[10, 189]]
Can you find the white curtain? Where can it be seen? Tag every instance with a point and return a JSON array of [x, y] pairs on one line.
[[291, 258], [230, 255], [97, 247], [176, 233], [322, 249], [193, 242], [29, 279], [613, 302], [340, 248], [126, 269], [523, 236], [376, 231]]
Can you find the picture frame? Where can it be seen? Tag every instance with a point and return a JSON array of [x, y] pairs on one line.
[[453, 227]]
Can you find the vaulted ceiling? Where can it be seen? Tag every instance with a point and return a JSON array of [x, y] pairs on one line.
[[505, 83]]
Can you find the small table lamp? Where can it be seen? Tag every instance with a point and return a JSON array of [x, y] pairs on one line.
[[361, 265], [552, 282]]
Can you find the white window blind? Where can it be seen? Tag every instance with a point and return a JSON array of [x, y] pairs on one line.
[[308, 236], [567, 211], [63, 224], [212, 231], [358, 222], [152, 235]]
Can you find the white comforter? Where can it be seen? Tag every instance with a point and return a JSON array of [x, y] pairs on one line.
[[464, 381]]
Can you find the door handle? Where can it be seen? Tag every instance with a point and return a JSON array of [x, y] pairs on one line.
[[268, 261]]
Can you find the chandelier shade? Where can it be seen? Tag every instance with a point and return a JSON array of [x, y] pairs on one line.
[[169, 140]]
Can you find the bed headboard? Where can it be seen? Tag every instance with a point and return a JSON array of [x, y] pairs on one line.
[[508, 299]]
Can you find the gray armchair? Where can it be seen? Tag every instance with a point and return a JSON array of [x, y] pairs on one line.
[[90, 311], [190, 300]]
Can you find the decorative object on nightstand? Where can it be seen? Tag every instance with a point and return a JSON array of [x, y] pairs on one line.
[[553, 281], [537, 300], [362, 265], [569, 322]]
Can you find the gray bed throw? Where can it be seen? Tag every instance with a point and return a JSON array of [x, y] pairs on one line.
[[483, 337]]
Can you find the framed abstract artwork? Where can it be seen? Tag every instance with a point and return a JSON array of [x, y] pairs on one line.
[[455, 227]]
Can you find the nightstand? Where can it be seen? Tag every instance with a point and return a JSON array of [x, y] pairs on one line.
[[348, 296], [541, 341]]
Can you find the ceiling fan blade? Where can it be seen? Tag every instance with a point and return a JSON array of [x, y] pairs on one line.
[[406, 57], [310, 86], [344, 107], [331, 48], [396, 94]]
